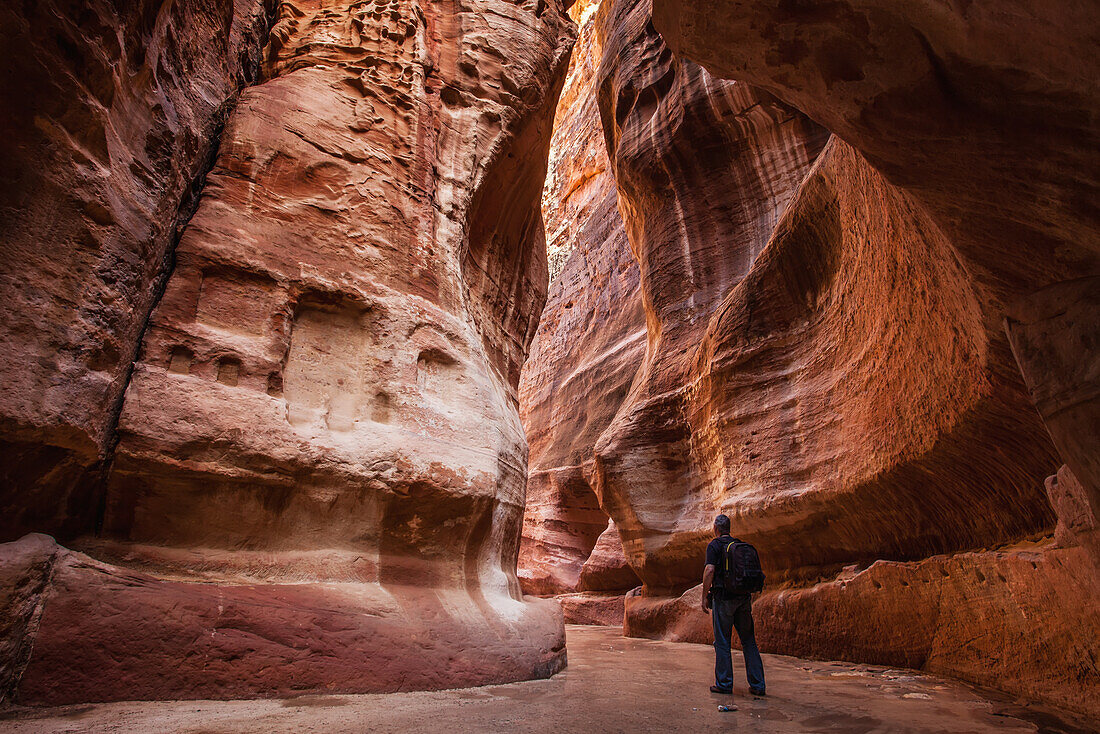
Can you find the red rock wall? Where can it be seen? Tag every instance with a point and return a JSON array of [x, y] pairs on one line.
[[986, 114], [841, 385], [111, 111], [1018, 619], [826, 361], [322, 424], [704, 170], [588, 347]]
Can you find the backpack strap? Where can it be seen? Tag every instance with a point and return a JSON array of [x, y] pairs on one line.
[[726, 553]]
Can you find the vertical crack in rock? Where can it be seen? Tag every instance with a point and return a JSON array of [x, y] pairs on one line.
[[251, 61], [321, 425], [26, 573], [113, 123]]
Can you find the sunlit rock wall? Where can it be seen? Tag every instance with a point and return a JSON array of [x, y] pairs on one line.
[[827, 361], [986, 114], [322, 425], [586, 351], [965, 614], [705, 169]]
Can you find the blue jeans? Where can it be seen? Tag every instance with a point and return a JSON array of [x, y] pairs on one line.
[[726, 616]]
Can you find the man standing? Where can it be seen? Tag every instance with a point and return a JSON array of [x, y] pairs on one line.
[[729, 611]]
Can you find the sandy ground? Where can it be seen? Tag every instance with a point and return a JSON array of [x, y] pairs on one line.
[[612, 684]]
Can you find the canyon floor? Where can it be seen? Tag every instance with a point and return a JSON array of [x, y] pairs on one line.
[[612, 684]]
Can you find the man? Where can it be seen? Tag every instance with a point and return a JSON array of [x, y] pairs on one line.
[[729, 612]]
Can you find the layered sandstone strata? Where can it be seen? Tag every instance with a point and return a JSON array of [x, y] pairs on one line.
[[322, 426], [826, 358], [988, 617], [704, 170], [821, 365], [986, 115], [586, 352], [111, 113]]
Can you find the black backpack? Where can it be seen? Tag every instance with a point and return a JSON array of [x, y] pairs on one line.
[[740, 572]]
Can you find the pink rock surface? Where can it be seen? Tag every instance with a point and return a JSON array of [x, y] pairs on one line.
[[606, 567], [103, 633], [704, 169], [25, 571], [111, 112], [595, 608], [322, 425], [820, 365], [588, 347]]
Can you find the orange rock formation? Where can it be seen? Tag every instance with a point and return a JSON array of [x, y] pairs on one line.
[[827, 360], [271, 271], [586, 352]]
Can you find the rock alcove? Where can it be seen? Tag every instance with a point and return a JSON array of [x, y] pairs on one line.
[[271, 272]]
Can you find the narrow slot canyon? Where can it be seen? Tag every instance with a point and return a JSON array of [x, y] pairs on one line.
[[369, 364]]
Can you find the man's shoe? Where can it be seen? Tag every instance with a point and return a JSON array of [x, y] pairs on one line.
[[758, 692], [716, 689]]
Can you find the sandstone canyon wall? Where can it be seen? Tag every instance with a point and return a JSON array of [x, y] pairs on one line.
[[587, 349], [987, 116], [826, 356], [319, 475], [111, 115]]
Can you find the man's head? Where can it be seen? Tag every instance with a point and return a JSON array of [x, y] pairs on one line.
[[721, 525]]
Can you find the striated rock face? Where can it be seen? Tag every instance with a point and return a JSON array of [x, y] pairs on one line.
[[986, 115], [111, 111], [847, 404], [322, 425], [837, 386], [704, 169], [826, 361], [1055, 336], [588, 347]]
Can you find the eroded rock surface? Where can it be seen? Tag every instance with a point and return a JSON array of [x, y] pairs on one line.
[[586, 352], [840, 385], [826, 359], [323, 419], [986, 115], [987, 617], [704, 170], [111, 112]]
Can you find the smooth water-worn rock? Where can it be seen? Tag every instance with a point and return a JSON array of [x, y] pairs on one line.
[[704, 169], [110, 114], [821, 367], [104, 632], [322, 425], [986, 115], [587, 350], [826, 363]]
